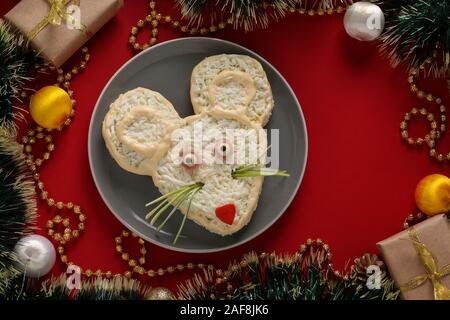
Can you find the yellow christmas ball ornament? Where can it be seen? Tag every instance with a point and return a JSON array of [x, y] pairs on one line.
[[50, 107], [433, 194]]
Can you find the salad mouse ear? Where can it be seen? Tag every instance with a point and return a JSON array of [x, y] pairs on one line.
[[231, 90]]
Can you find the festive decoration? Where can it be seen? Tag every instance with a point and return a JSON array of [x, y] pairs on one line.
[[17, 204], [160, 293], [247, 14], [16, 59], [364, 21], [433, 194], [41, 24], [50, 107], [419, 249], [36, 255], [306, 275], [417, 31], [250, 14], [226, 213]]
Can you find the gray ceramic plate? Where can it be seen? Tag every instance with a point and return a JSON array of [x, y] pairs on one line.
[[167, 68]]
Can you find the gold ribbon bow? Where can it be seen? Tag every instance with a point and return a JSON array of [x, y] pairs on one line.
[[433, 274], [56, 16]]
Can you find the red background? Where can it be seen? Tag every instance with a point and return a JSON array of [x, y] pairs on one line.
[[360, 177]]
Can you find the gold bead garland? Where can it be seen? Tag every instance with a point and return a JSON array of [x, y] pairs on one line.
[[438, 125], [155, 19]]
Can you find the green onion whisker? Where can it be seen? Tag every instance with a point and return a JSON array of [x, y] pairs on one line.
[[185, 216]]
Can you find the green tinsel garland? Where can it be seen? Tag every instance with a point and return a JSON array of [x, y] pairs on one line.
[[16, 59], [295, 277], [416, 30], [17, 202], [247, 14]]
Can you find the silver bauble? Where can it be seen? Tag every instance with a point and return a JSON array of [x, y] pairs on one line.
[[36, 255], [364, 21]]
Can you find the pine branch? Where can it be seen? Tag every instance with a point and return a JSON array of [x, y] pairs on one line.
[[16, 59], [247, 14], [416, 30], [17, 202]]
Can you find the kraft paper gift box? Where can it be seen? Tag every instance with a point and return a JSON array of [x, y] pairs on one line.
[[407, 259], [57, 43]]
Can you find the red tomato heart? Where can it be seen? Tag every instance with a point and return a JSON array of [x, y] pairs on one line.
[[226, 213]]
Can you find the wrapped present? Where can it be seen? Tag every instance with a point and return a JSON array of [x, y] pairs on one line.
[[58, 28], [418, 259]]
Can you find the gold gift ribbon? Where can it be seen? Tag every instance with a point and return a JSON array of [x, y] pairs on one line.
[[56, 16], [431, 265]]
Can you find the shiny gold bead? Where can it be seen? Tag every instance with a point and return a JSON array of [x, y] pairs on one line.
[[28, 148], [443, 127], [161, 272], [141, 241], [141, 260], [159, 16], [154, 32], [82, 217], [64, 259], [143, 251], [127, 274], [44, 195], [118, 240], [180, 267], [148, 18], [151, 273], [66, 222], [419, 141], [108, 274], [125, 256], [403, 125], [57, 236], [442, 108], [221, 25], [48, 138], [413, 88], [119, 248], [432, 152], [411, 79], [46, 155], [24, 139], [440, 157], [67, 236], [60, 249], [204, 31], [175, 24], [184, 29], [170, 269], [50, 202], [443, 118], [423, 111], [155, 23], [430, 117], [302, 10], [430, 97], [51, 147], [38, 162], [152, 4], [311, 12], [76, 209], [132, 39], [167, 19], [140, 23], [69, 205], [431, 143], [75, 233], [320, 12], [438, 100], [60, 205], [411, 141], [448, 156], [51, 232], [40, 185], [433, 124], [339, 9], [132, 263], [420, 94], [75, 70], [88, 273], [153, 41], [212, 28], [81, 226], [136, 46], [194, 31], [50, 224]]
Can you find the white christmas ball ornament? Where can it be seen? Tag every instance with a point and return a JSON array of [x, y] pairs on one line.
[[364, 21], [36, 255]]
